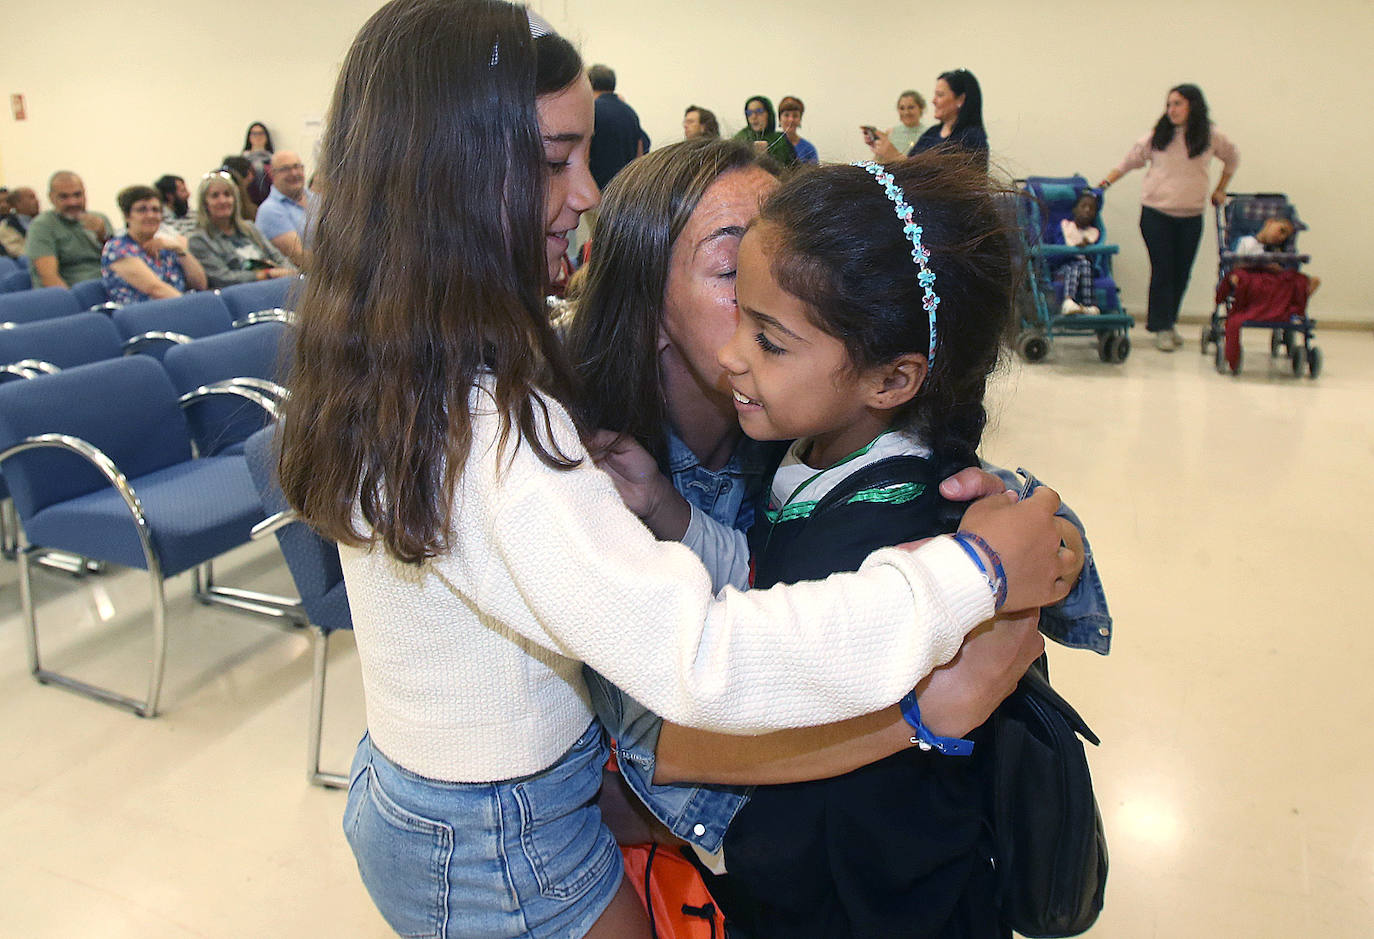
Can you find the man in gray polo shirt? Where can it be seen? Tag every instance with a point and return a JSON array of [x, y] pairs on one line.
[[64, 243]]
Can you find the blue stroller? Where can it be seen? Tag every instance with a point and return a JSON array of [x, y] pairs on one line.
[[1051, 200], [1244, 214]]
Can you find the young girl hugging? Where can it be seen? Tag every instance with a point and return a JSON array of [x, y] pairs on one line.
[[872, 301], [486, 557], [1077, 272]]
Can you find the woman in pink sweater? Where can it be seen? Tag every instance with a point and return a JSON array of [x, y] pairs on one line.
[[1179, 152]]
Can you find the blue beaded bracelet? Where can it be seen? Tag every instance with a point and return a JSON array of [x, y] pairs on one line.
[[925, 738], [997, 578]]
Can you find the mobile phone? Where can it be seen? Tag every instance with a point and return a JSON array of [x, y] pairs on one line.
[[870, 133]]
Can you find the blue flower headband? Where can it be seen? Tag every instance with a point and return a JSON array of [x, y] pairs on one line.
[[919, 252]]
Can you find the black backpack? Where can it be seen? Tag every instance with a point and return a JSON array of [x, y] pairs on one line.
[[1051, 850]]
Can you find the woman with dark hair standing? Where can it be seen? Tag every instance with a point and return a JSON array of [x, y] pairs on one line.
[[258, 150], [1174, 197], [957, 106], [486, 556]]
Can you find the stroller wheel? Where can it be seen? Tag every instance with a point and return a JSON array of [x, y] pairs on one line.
[[1033, 346], [1120, 348], [1275, 343], [1314, 361], [1206, 338], [1295, 357], [1106, 346]]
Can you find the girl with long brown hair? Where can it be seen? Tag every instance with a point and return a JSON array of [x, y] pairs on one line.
[[486, 556]]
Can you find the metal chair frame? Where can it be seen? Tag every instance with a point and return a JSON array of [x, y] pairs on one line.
[[319, 644], [205, 589]]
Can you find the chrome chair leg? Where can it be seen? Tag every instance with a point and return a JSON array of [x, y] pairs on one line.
[[318, 777], [9, 529], [269, 605], [145, 708]]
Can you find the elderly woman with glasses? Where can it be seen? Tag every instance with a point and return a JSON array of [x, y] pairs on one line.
[[143, 263], [232, 249]]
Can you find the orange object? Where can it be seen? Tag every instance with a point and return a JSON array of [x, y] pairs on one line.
[[679, 905]]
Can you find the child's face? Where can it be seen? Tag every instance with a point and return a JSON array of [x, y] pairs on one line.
[[1275, 231], [789, 378], [1084, 211]]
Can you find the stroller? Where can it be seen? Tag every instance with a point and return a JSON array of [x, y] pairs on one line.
[[1051, 200], [1245, 214]]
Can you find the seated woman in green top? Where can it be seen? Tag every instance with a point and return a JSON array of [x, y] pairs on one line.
[[763, 133], [231, 248]]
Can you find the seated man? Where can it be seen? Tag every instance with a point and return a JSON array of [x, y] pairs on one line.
[[177, 216], [284, 216], [16, 215], [64, 242]]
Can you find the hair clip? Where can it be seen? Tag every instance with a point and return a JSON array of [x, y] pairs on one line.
[[538, 27], [930, 300]]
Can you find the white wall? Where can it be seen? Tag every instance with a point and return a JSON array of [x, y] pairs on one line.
[[1066, 87]]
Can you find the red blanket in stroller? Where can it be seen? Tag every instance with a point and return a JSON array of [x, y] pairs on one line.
[[1260, 295]]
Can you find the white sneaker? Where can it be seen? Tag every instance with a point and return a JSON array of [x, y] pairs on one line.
[[1069, 307], [1164, 342], [1091, 310], [1178, 340]]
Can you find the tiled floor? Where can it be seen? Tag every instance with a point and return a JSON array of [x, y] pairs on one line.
[[1230, 518]]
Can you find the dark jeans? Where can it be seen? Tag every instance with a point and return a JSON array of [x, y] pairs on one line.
[[1172, 243]]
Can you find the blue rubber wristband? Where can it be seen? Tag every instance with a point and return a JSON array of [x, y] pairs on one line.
[[925, 739]]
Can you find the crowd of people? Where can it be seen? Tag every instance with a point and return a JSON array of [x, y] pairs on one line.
[[248, 220]]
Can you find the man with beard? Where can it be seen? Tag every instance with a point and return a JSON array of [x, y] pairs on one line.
[[177, 216], [64, 242]]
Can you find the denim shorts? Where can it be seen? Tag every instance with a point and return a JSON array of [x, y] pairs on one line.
[[523, 857]]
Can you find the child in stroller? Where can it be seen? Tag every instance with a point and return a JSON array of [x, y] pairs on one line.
[[1261, 284], [1077, 272]]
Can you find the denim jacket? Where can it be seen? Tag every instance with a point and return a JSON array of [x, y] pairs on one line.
[[701, 814]]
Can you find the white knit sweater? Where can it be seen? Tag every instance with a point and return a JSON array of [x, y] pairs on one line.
[[472, 661]]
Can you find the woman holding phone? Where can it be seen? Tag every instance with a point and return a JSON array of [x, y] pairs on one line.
[[957, 106]]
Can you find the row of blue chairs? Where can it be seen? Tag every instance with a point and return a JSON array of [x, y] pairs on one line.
[[208, 311], [120, 460]]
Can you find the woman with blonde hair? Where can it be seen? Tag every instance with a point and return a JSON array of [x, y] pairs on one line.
[[230, 248]]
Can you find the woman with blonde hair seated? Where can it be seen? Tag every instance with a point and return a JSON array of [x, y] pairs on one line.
[[231, 248], [143, 264]]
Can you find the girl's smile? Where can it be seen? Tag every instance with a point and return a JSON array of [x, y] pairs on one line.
[[791, 379]]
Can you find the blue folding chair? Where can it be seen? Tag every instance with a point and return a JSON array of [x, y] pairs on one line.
[[26, 306], [262, 300], [232, 377], [318, 575], [99, 464], [15, 281], [153, 325], [92, 296]]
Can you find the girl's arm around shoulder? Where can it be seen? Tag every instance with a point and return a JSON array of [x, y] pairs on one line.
[[556, 556]]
